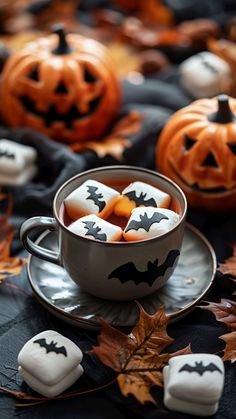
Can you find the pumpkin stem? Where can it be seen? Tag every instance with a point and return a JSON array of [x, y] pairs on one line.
[[62, 47], [223, 115]]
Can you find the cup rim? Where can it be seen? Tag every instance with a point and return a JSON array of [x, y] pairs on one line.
[[119, 243]]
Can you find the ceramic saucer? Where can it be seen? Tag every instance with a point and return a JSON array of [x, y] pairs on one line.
[[188, 284]]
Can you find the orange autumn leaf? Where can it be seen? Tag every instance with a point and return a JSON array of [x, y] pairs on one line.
[[115, 143], [224, 311], [137, 357], [230, 348], [9, 265]]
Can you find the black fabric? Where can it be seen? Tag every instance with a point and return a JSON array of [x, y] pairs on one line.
[[22, 316]]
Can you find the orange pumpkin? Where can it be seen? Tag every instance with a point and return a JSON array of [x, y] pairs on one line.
[[67, 90], [197, 149]]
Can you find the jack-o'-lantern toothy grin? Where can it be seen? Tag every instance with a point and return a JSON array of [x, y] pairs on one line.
[[52, 116], [67, 90]]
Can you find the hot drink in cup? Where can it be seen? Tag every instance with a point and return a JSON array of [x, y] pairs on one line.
[[120, 230]]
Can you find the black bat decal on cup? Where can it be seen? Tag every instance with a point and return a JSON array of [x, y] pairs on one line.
[[140, 200], [145, 222], [51, 347], [199, 368], [94, 231], [96, 197], [129, 272]]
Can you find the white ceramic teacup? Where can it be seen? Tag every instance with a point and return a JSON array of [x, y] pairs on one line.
[[143, 266]]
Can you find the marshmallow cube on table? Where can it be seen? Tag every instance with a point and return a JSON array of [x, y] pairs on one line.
[[96, 228], [138, 194], [194, 383], [17, 163], [148, 222], [91, 197], [50, 363]]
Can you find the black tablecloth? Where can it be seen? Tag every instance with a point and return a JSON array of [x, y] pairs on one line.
[[22, 316]]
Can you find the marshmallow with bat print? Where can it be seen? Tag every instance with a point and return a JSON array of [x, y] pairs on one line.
[[17, 163], [147, 222], [194, 383], [92, 197], [50, 363], [96, 228], [138, 194]]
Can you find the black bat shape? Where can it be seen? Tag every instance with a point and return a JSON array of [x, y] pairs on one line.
[[129, 272], [51, 347], [96, 197], [94, 231], [145, 222], [8, 154], [140, 200], [200, 368]]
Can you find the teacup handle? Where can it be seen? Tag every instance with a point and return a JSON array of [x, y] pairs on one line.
[[33, 248]]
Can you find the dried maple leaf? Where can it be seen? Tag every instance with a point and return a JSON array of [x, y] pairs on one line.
[[137, 357], [9, 266], [229, 265], [225, 312], [230, 348], [115, 143]]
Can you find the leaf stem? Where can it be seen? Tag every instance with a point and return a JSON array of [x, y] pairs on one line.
[[24, 396]]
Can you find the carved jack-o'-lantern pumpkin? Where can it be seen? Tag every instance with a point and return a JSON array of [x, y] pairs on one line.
[[197, 149], [69, 91]]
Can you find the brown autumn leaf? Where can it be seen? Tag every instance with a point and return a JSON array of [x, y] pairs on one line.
[[115, 143], [224, 311], [137, 357], [229, 265], [9, 265], [230, 348]]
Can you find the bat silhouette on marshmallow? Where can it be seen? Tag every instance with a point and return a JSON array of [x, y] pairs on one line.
[[51, 347], [145, 222], [96, 197], [94, 231], [199, 368], [140, 200]]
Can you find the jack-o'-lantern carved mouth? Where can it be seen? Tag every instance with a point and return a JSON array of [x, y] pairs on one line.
[[52, 116], [195, 186]]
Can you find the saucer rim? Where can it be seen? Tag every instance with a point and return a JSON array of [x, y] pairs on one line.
[[93, 324]]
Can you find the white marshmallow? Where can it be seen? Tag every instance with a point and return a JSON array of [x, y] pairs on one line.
[[20, 178], [50, 363], [140, 194], [91, 197], [16, 163], [194, 383], [147, 222], [96, 228], [51, 390], [205, 75]]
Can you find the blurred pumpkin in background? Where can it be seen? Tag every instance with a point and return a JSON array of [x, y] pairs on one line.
[[67, 90], [197, 149]]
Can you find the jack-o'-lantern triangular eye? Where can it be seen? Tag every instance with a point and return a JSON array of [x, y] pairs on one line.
[[88, 76], [232, 147], [210, 161], [34, 74], [188, 142], [61, 88]]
